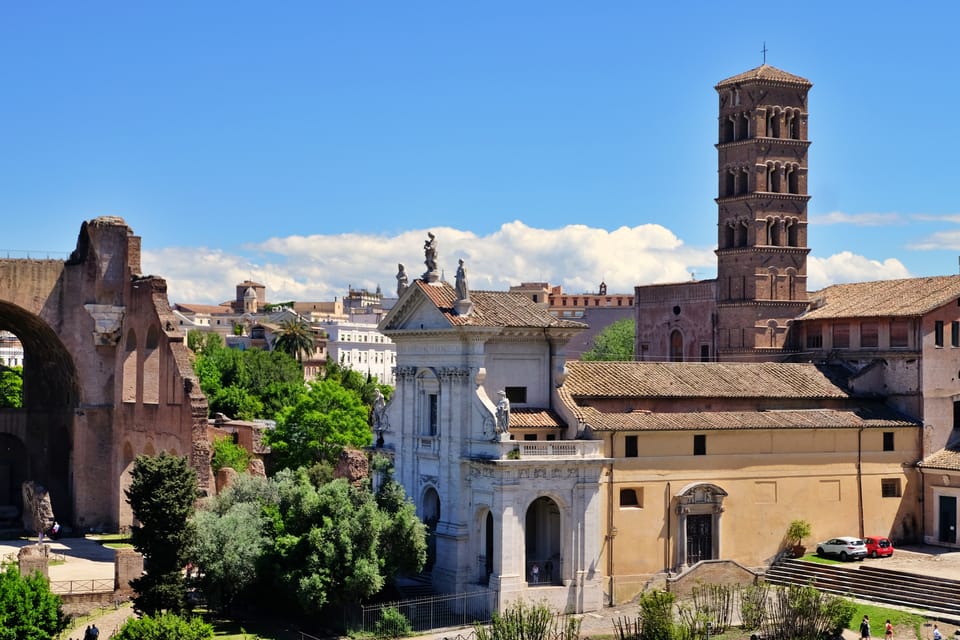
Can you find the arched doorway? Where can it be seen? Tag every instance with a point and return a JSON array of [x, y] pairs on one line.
[[542, 542], [37, 439], [430, 514], [699, 507], [676, 346]]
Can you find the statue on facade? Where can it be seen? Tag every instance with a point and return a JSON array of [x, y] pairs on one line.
[[503, 413], [402, 281], [463, 293], [430, 252], [380, 423]]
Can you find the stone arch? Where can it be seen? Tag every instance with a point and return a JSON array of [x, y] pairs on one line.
[[699, 506], [430, 514], [126, 470], [151, 366], [486, 549], [543, 540], [38, 438], [129, 384]]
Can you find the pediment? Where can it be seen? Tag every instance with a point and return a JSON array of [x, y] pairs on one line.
[[414, 311]]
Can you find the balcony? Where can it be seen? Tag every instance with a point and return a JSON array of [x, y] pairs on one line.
[[539, 450]]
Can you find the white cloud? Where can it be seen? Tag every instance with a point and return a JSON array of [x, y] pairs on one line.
[[321, 267], [849, 267], [858, 219], [579, 257], [937, 241]]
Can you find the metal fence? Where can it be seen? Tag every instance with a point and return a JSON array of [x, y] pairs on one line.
[[64, 587], [430, 612]]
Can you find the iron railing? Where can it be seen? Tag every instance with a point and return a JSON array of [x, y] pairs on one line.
[[64, 587], [431, 612]]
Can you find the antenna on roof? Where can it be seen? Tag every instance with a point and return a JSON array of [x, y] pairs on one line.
[[764, 52]]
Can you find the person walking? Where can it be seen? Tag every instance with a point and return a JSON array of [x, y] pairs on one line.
[[865, 628], [936, 633], [888, 630]]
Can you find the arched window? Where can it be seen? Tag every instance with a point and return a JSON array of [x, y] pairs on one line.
[[151, 367], [129, 392]]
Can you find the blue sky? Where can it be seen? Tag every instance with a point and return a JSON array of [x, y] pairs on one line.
[[311, 145]]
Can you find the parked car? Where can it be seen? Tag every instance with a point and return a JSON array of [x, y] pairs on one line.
[[844, 547], [878, 547]]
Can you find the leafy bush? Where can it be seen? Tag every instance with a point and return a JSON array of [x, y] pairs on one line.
[[393, 624], [28, 610], [228, 454], [523, 621], [167, 626], [656, 615]]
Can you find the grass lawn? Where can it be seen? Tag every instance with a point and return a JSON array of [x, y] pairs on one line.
[[251, 629]]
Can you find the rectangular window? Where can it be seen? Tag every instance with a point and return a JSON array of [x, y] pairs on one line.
[[890, 488], [955, 334], [938, 333], [869, 335], [516, 394], [888, 440], [898, 334], [704, 353], [529, 436], [630, 448], [551, 436], [631, 498], [841, 336], [700, 445], [434, 408], [814, 338]]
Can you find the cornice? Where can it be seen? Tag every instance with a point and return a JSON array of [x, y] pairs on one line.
[[786, 142], [765, 195], [763, 248]]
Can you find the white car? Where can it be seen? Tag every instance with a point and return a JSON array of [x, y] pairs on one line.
[[846, 547]]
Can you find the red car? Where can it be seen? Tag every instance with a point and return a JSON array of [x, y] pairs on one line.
[[878, 547]]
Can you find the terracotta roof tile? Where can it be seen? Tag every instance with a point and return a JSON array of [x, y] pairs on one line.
[[874, 417], [203, 308], [529, 417], [764, 73], [946, 459], [493, 308], [702, 380], [908, 297]]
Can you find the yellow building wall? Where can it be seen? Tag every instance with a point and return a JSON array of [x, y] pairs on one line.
[[770, 477]]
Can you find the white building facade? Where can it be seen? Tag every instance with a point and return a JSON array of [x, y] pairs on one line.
[[495, 507]]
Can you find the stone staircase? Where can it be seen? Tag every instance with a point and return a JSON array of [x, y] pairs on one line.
[[939, 597]]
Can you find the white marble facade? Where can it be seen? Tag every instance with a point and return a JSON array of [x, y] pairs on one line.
[[496, 506]]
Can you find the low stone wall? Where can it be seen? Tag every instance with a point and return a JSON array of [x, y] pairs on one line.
[[81, 604], [710, 572]]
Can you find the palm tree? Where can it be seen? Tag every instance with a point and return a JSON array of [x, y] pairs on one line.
[[295, 337]]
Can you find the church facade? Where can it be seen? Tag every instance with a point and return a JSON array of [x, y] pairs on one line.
[[751, 403]]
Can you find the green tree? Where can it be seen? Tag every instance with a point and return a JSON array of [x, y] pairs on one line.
[[162, 492], [235, 402], [231, 539], [11, 387], [324, 420], [28, 610], [295, 338], [615, 342], [167, 626], [226, 453], [329, 543], [403, 544], [204, 341]]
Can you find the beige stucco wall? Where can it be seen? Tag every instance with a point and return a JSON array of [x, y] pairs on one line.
[[770, 478]]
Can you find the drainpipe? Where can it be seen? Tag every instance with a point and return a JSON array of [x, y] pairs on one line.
[[666, 543], [860, 478], [611, 532]]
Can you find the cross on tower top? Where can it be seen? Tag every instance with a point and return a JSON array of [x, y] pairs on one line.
[[764, 52]]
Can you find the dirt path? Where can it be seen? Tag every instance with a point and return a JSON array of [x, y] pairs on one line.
[[109, 622]]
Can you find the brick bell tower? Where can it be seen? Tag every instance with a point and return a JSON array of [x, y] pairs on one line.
[[762, 212]]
